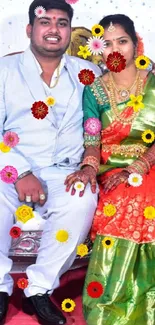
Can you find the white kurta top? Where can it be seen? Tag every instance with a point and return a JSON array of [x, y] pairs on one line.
[[56, 139]]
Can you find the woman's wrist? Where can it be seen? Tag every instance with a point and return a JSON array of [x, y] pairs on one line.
[[91, 161]]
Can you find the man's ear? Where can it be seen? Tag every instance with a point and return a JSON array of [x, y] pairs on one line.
[[29, 30]]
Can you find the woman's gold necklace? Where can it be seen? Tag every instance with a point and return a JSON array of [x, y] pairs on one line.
[[124, 93], [113, 103]]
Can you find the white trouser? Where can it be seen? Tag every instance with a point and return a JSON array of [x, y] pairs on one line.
[[71, 213]]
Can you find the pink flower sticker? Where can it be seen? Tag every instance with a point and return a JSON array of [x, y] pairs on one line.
[[92, 126], [8, 174], [96, 45], [10, 139], [70, 2], [40, 12]]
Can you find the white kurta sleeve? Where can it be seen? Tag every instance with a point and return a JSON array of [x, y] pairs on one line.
[[13, 157]]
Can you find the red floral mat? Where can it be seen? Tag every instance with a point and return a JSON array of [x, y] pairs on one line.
[[71, 287]]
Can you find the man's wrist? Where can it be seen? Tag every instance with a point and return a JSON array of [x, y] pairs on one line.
[[24, 174]]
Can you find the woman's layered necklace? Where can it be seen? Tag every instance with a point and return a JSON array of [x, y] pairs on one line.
[[123, 93]]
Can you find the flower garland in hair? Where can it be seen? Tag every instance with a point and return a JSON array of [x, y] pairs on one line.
[[140, 45]]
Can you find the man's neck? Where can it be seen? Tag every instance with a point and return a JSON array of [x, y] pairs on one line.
[[47, 64]]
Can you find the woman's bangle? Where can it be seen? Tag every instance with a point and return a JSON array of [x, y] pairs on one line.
[[91, 161]]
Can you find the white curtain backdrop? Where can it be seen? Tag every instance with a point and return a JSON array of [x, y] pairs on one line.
[[14, 17]]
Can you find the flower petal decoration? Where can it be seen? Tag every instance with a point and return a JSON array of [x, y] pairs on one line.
[[62, 235], [107, 242], [68, 305], [97, 30], [92, 126], [50, 101], [142, 62], [22, 283], [79, 186], [136, 102], [24, 213], [40, 12], [71, 2], [135, 179], [148, 136], [82, 250], [84, 52], [96, 45], [116, 62], [149, 212], [39, 110], [140, 45], [95, 289], [4, 148], [11, 139], [15, 232], [8, 174], [86, 76], [109, 210]]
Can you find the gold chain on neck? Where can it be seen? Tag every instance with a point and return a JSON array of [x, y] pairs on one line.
[[57, 77], [124, 93], [113, 103]]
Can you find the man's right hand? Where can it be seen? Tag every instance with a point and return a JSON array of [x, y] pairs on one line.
[[30, 186]]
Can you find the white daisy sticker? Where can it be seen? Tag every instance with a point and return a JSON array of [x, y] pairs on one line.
[[40, 12], [135, 179], [96, 45], [79, 186]]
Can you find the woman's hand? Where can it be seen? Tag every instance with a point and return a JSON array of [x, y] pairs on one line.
[[114, 180], [85, 175]]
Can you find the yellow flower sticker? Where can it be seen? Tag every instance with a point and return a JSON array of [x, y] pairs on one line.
[[107, 242], [136, 102], [4, 148], [68, 305], [97, 30], [142, 62], [148, 136], [109, 210], [84, 52], [149, 212], [82, 250], [24, 213], [50, 101], [62, 236]]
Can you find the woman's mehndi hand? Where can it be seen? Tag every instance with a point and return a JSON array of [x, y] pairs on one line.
[[114, 180], [85, 176]]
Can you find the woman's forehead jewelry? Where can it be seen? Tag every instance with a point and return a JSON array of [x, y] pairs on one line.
[[111, 27]]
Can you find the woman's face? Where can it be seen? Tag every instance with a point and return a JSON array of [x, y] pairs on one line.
[[118, 41]]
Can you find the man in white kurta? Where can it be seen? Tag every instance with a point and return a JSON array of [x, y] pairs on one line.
[[51, 148]]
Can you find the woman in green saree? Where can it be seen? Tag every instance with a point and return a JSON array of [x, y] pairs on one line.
[[119, 112]]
